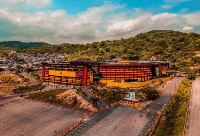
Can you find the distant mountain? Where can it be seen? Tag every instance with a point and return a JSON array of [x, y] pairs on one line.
[[20, 45]]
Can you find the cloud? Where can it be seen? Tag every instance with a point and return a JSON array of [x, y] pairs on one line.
[[25, 4], [175, 1], [169, 4], [187, 29], [107, 2], [184, 10], [144, 23], [56, 26], [192, 19], [166, 6], [94, 24]]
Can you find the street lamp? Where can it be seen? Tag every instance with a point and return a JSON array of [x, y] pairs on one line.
[[170, 95]]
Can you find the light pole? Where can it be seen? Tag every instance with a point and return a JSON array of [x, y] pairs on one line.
[[175, 86], [170, 95]]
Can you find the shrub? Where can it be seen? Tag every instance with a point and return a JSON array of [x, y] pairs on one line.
[[173, 120], [24, 89], [150, 94]]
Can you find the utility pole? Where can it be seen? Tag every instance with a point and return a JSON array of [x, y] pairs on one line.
[[123, 52]]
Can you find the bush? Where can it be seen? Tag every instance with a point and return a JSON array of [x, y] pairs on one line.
[[150, 94], [109, 96], [173, 120], [51, 97], [24, 89]]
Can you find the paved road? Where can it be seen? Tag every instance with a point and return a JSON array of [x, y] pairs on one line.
[[166, 94], [113, 122], [194, 119], [125, 120], [164, 98]]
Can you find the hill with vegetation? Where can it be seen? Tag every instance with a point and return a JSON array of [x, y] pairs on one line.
[[182, 50], [20, 45]]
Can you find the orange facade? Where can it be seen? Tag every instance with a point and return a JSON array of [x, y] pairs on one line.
[[126, 73], [67, 74], [133, 71], [83, 73]]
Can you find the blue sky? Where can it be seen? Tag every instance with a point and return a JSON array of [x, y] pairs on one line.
[[157, 6], [82, 21]]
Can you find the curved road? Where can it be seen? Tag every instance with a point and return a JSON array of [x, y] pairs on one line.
[[194, 119]]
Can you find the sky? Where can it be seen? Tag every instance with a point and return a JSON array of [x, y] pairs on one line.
[[86, 21]]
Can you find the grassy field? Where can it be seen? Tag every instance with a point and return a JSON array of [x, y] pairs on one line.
[[109, 96], [10, 79], [6, 90], [31, 88], [51, 97], [147, 94], [172, 121]]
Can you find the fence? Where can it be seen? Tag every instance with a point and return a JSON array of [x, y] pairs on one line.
[[159, 116], [186, 126], [70, 128]]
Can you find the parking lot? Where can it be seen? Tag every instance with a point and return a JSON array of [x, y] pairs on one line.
[[125, 120], [33, 118]]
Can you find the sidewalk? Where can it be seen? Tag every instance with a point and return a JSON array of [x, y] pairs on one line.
[[194, 117]]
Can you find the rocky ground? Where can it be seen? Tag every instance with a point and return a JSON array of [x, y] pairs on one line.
[[70, 95]]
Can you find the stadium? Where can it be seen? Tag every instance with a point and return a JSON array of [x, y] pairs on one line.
[[86, 72]]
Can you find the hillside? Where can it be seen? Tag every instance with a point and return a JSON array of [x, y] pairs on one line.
[[181, 49], [177, 47], [20, 45]]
